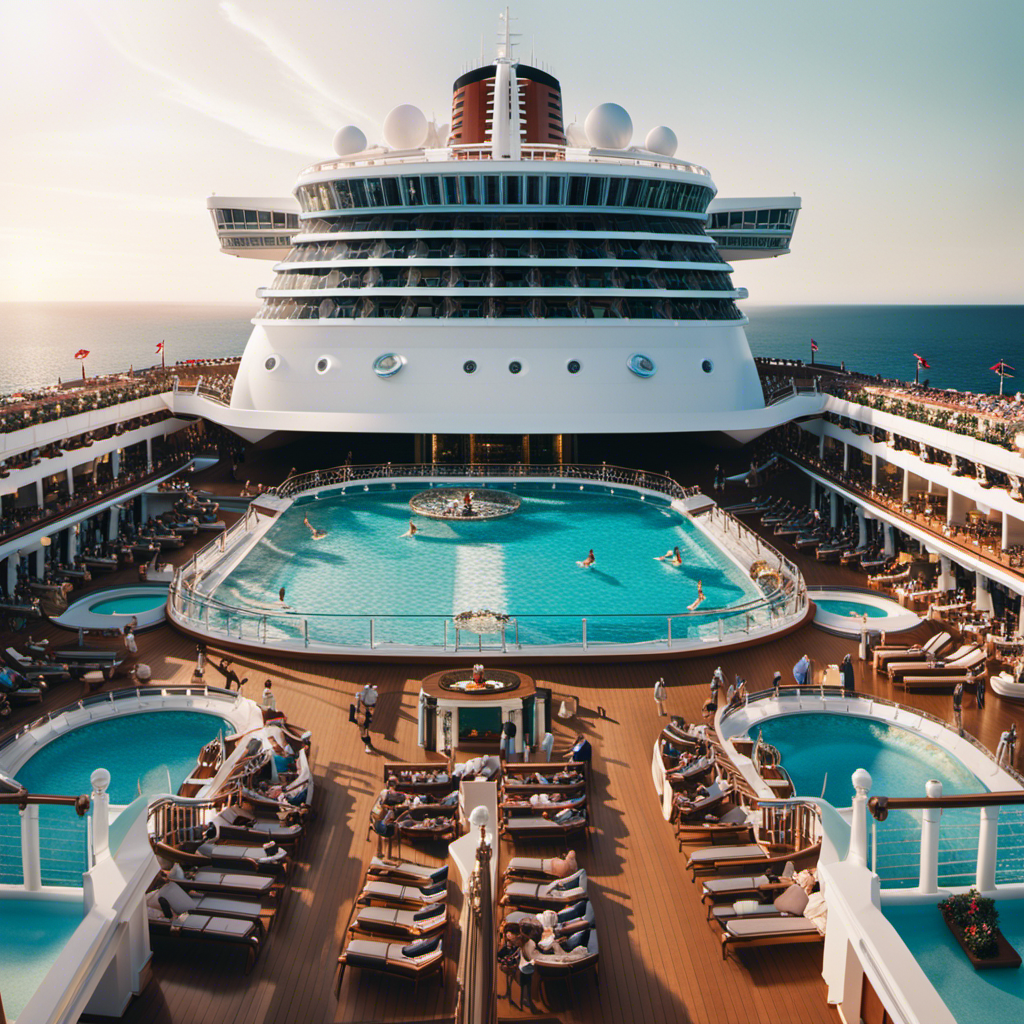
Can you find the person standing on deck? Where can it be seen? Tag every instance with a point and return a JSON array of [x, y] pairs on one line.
[[846, 673], [777, 682], [269, 702], [802, 671], [660, 697], [958, 701]]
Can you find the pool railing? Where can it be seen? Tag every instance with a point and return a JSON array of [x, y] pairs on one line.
[[759, 616]]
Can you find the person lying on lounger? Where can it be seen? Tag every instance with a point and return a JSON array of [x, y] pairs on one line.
[[685, 803]]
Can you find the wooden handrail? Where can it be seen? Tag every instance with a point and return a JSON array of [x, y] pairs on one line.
[[881, 805], [23, 798]]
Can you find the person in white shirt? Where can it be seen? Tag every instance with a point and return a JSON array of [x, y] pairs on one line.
[[269, 700]]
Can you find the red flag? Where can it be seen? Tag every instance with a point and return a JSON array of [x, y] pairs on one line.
[[160, 346], [814, 345], [1003, 368], [922, 362], [82, 353]]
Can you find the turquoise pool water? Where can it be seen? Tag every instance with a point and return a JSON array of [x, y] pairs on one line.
[[816, 745], [847, 608], [130, 604], [34, 933], [973, 997], [139, 751], [523, 565]]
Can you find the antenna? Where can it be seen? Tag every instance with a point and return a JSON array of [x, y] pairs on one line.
[[506, 37]]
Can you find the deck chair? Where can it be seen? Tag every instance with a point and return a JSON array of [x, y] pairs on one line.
[[526, 826], [897, 669], [226, 883], [414, 961], [182, 902], [408, 872], [767, 931], [717, 793], [727, 890], [731, 827], [537, 868], [408, 924], [245, 858], [209, 928], [570, 919], [729, 912], [711, 859], [933, 645], [561, 967], [974, 660], [560, 893], [376, 893], [233, 824]]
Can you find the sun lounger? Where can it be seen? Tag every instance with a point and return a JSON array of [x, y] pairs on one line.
[[707, 860], [937, 681], [524, 827], [718, 791], [230, 823], [209, 928], [226, 883], [406, 897], [728, 912], [182, 902], [963, 657], [248, 858], [412, 961], [933, 645], [539, 868], [808, 857], [408, 924], [408, 872], [570, 919], [731, 827], [560, 893], [767, 931], [566, 966]]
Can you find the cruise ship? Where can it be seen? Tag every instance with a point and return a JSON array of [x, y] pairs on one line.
[[496, 638]]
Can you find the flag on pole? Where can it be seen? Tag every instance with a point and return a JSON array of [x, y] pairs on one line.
[[1003, 368], [159, 346], [163, 358], [922, 363], [82, 353], [814, 345]]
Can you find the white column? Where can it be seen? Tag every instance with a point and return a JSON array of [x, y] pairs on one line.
[[39, 492], [100, 779], [874, 470], [928, 881], [12, 572], [834, 509], [149, 453], [846, 456], [982, 594], [946, 580], [1013, 531], [40, 562], [30, 861], [115, 464], [862, 528], [70, 473], [72, 545], [113, 521], [988, 842], [516, 716], [889, 545], [858, 852], [821, 445], [906, 485]]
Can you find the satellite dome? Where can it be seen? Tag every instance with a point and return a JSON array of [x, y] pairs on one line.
[[405, 127], [349, 140], [576, 137], [662, 140], [609, 126]]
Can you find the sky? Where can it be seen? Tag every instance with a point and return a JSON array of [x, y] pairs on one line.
[[900, 125]]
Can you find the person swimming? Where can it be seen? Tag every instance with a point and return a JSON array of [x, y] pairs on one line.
[[412, 531], [700, 597], [314, 532], [588, 561], [672, 556]]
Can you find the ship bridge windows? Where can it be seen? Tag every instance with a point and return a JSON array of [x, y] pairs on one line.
[[749, 220], [254, 220], [576, 190]]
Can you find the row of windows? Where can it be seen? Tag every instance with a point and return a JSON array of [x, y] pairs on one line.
[[507, 277], [513, 248], [751, 242], [630, 223], [778, 220], [257, 242], [533, 309], [504, 190], [236, 220]]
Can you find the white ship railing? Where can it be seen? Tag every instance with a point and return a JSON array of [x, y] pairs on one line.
[[192, 605]]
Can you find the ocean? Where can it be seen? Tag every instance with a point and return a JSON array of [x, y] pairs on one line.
[[38, 340]]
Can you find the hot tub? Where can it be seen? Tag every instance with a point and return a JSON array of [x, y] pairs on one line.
[[114, 607]]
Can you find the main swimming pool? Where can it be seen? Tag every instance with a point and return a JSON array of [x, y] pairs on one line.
[[149, 752], [524, 566], [822, 750]]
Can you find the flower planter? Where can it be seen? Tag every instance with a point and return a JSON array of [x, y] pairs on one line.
[[1005, 956]]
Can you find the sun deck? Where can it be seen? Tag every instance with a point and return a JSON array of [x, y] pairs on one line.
[[660, 961]]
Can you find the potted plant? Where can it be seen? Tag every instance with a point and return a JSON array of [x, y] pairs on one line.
[[974, 922]]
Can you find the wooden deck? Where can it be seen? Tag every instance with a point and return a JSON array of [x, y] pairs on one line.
[[660, 960]]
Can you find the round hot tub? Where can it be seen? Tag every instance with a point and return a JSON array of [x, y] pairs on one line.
[[114, 607], [844, 611]]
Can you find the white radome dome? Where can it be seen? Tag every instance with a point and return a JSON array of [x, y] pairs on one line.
[[405, 127], [349, 140], [576, 137], [662, 140], [609, 126]]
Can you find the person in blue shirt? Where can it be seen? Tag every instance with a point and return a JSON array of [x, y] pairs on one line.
[[802, 671], [580, 750]]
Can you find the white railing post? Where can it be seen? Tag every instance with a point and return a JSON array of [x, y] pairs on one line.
[[372, 644], [670, 630], [988, 843], [874, 846], [305, 631], [584, 634], [928, 879], [100, 779], [858, 853], [31, 865]]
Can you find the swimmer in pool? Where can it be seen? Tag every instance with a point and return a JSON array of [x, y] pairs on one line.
[[412, 531], [700, 597], [672, 556], [588, 561], [314, 532]]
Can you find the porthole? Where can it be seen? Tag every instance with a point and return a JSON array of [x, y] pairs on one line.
[[271, 363], [388, 364], [323, 364], [641, 365], [515, 366], [707, 366], [573, 366], [469, 366]]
